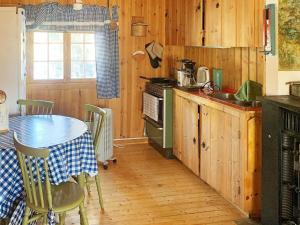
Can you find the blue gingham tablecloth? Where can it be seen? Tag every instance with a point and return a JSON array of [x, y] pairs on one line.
[[65, 160]]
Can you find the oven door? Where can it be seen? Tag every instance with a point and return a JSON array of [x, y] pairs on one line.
[[154, 131], [153, 107]]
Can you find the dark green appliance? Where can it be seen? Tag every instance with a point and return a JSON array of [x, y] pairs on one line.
[[158, 115]]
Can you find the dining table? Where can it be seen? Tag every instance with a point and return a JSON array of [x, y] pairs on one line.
[[71, 154]]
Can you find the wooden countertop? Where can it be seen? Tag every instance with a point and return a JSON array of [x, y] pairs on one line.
[[201, 94]]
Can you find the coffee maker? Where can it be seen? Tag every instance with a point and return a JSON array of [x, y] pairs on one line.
[[185, 72]]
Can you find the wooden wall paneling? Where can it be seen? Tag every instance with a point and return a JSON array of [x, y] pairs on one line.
[[238, 64], [253, 64], [245, 64], [231, 68], [236, 76], [168, 20], [261, 68]]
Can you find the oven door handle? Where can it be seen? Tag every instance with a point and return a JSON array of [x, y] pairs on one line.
[[153, 124]]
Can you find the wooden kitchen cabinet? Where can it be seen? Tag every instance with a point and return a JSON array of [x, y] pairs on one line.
[[229, 144], [220, 159], [220, 23], [215, 23], [184, 22], [186, 133]]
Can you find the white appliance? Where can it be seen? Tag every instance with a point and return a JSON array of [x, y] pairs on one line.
[[3, 113], [105, 149], [202, 76], [12, 56]]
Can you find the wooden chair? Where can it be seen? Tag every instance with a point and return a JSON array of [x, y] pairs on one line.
[[41, 196], [34, 107], [94, 118]]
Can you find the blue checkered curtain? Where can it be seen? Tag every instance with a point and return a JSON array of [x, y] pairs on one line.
[[107, 60], [56, 17]]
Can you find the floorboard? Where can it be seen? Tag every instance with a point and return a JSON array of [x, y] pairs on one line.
[[144, 188]]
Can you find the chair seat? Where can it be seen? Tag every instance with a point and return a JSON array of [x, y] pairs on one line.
[[65, 196]]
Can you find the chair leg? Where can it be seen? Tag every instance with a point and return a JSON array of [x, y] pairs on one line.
[[88, 186], [26, 216], [62, 218], [97, 179], [45, 219], [83, 217]]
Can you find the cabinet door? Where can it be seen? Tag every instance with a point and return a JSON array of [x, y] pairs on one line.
[[184, 22], [228, 33], [220, 23], [221, 162], [205, 144], [193, 22], [213, 23], [216, 148], [190, 145], [177, 126]]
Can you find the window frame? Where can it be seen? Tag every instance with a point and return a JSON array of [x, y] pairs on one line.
[[66, 63]]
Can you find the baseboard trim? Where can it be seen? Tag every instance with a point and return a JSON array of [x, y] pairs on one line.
[[131, 141]]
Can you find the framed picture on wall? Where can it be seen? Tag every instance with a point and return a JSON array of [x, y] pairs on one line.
[[289, 35]]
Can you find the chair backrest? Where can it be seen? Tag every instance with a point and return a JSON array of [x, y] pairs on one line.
[[94, 117], [34, 107], [34, 169]]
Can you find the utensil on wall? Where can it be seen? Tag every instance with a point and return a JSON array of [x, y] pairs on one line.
[[138, 55], [138, 26], [155, 52]]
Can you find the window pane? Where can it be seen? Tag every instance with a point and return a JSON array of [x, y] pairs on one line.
[[56, 37], [56, 52], [77, 38], [40, 70], [40, 37], [89, 52], [56, 70], [90, 70], [90, 38], [77, 52], [77, 70], [40, 52]]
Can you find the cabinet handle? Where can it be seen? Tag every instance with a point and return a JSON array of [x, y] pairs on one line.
[[269, 136], [217, 5], [194, 140]]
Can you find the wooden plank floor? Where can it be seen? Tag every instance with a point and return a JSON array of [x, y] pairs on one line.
[[144, 188]]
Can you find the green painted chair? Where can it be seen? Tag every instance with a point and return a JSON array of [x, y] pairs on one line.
[[94, 118], [41, 196], [35, 107]]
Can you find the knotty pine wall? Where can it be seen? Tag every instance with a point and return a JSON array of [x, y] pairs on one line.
[[128, 122], [238, 64]]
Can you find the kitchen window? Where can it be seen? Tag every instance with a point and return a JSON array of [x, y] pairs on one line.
[[83, 64], [48, 56], [63, 56]]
